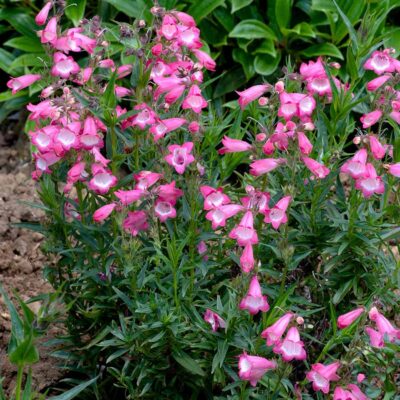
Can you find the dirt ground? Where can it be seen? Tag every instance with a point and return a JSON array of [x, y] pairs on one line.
[[21, 260]]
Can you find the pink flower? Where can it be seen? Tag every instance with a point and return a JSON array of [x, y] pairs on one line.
[[135, 222], [127, 197], [321, 375], [254, 301], [213, 198], [194, 100], [274, 333], [234, 146], [380, 62], [370, 182], [160, 129], [214, 320], [394, 169], [205, 60], [102, 181], [41, 17], [360, 377], [180, 156], [291, 347], [247, 258], [103, 212], [194, 127], [356, 166], [146, 179], [244, 233], [356, 392], [143, 118], [164, 210], [64, 66], [124, 70], [342, 394], [253, 368], [371, 118], [375, 337], [305, 145], [383, 324], [49, 34], [377, 149], [347, 319], [251, 94], [265, 165], [277, 214], [17, 84], [219, 215], [169, 193], [377, 82], [318, 170]]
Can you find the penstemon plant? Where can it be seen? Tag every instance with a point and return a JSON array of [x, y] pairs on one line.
[[174, 259]]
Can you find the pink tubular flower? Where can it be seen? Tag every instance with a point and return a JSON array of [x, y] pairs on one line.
[[180, 156], [49, 34], [375, 337], [356, 392], [356, 166], [253, 368], [194, 127], [213, 198], [102, 181], [135, 222], [347, 319], [41, 17], [64, 66], [360, 377], [254, 301], [265, 165], [247, 258], [160, 129], [244, 233], [103, 212], [380, 62], [219, 215], [305, 145], [274, 333], [277, 214], [194, 100], [377, 82], [291, 347], [234, 145], [214, 320], [321, 375], [317, 169], [145, 117], [251, 94], [342, 394], [145, 179], [394, 169], [205, 60], [377, 149], [383, 324], [17, 84], [371, 118], [169, 193], [164, 210], [127, 197], [370, 182]]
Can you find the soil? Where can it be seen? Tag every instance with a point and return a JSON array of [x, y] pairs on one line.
[[21, 260]]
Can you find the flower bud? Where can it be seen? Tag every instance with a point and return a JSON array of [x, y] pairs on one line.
[[260, 137], [279, 87], [263, 101]]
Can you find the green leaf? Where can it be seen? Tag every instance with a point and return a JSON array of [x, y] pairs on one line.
[[243, 58], [323, 49], [231, 81], [109, 98], [30, 60], [239, 4], [75, 10], [266, 47], [252, 29], [27, 394], [200, 9], [25, 43], [349, 25], [301, 29], [266, 64], [70, 394], [6, 59], [136, 9], [25, 352], [187, 362], [20, 21], [283, 12]]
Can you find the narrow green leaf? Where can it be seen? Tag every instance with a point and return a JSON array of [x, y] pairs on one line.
[[70, 394], [283, 12], [323, 49], [200, 9], [136, 9], [25, 43], [187, 362], [6, 59], [349, 25], [239, 4], [265, 64], [75, 10]]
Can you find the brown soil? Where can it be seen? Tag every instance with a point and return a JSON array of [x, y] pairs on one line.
[[21, 260]]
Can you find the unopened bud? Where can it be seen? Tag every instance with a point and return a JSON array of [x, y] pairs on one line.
[[300, 320], [104, 43], [263, 101], [309, 126], [335, 65], [201, 169], [142, 23], [279, 87], [260, 137], [357, 140]]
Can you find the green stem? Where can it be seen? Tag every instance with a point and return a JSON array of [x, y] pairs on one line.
[[20, 375], [114, 145]]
